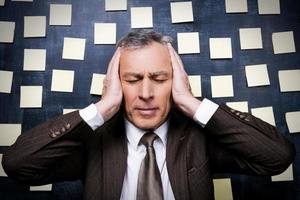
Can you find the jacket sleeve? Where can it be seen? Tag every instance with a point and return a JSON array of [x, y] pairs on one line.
[[242, 143], [50, 152]]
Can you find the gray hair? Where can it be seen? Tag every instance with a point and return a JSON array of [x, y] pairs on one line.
[[141, 38]]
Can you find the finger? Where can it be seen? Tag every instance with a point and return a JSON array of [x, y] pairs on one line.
[[178, 59], [112, 62], [173, 58]]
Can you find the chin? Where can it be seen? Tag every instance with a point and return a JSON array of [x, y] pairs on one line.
[[146, 124]]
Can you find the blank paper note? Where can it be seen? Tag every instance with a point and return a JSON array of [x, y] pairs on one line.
[[141, 17], [195, 83], [6, 78], [222, 86], [2, 172], [182, 12], [268, 7], [34, 26], [60, 14], [220, 48], [188, 43], [287, 175], [34, 60], [113, 5], [293, 121], [105, 33], [257, 75], [2, 2], [236, 6], [264, 113], [250, 38], [73, 48], [47, 187], [62, 80], [289, 80], [241, 106], [9, 133], [222, 189], [97, 84], [31, 96], [7, 31], [283, 42], [68, 110]]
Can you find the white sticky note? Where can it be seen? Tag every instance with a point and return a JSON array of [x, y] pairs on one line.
[[264, 113], [268, 7], [2, 172], [222, 189], [62, 80], [141, 17], [222, 86], [293, 121], [31, 96], [60, 14], [182, 12], [47, 187], [34, 60], [220, 48], [283, 42], [241, 106], [68, 110], [289, 80], [195, 83], [236, 6], [250, 38], [111, 5], [34, 26], [2, 2], [7, 31], [74, 48], [257, 75], [105, 33], [6, 78], [287, 175], [188, 43], [97, 84], [9, 133]]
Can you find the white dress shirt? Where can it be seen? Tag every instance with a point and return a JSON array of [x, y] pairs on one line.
[[137, 151]]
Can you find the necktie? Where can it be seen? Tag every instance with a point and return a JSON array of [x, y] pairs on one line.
[[149, 180]]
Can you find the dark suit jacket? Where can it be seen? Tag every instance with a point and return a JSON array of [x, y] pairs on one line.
[[65, 148]]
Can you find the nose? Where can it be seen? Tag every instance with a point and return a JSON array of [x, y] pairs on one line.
[[146, 90]]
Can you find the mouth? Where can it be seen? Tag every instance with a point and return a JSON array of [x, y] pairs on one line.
[[147, 112]]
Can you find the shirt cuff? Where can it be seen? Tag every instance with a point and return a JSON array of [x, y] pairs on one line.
[[91, 116], [205, 111]]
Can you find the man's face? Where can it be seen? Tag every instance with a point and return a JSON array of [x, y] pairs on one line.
[[146, 79]]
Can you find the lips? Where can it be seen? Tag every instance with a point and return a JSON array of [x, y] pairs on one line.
[[146, 112]]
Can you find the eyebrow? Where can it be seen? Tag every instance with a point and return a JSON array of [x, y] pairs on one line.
[[141, 75]]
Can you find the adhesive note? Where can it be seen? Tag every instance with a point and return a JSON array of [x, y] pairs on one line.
[[9, 133], [111, 5], [188, 43], [222, 189], [2, 2], [62, 80], [287, 175], [283, 42], [34, 26], [257, 75], [236, 6], [60, 14], [222, 86], [141, 17], [264, 113], [268, 7], [47, 187], [6, 78], [182, 12], [195, 83], [105, 33], [250, 38], [34, 60], [220, 48], [31, 96], [293, 121], [73, 48], [241, 106], [66, 111], [2, 172], [97, 84], [289, 80], [7, 31]]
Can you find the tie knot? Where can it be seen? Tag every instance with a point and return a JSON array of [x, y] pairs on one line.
[[148, 139]]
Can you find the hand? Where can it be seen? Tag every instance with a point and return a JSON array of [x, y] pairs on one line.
[[111, 99], [181, 90]]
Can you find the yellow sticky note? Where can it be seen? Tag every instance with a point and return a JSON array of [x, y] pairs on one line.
[[264, 113], [222, 189], [283, 42], [47, 187], [141, 17], [182, 12], [2, 2], [257, 75], [34, 26], [6, 78], [188, 43], [2, 172], [289, 80], [268, 7], [240, 106], [66, 111], [113, 5], [97, 84], [7, 31], [74, 48], [250, 38], [60, 14], [195, 83], [287, 175], [220, 48], [31, 96], [293, 121], [236, 6], [222, 86], [9, 133], [34, 60], [105, 33], [62, 80]]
